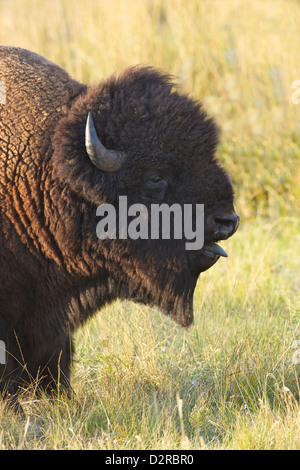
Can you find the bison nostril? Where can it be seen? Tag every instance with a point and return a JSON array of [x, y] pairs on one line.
[[228, 223]]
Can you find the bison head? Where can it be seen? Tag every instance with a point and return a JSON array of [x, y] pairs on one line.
[[136, 136]]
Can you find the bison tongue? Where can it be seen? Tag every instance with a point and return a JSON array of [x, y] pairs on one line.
[[212, 250]]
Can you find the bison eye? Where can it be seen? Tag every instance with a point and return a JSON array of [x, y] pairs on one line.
[[156, 179], [155, 187]]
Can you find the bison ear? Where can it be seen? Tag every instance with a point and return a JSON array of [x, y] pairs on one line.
[[106, 160]]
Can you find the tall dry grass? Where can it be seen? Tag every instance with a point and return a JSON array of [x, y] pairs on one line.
[[232, 380]]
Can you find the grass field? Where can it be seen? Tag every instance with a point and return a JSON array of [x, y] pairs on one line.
[[231, 381]]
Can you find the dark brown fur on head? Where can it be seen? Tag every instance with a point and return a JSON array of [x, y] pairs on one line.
[[140, 113]]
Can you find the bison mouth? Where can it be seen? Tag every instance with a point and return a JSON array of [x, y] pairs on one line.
[[213, 251]]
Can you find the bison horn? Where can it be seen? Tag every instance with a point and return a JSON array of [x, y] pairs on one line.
[[102, 158]]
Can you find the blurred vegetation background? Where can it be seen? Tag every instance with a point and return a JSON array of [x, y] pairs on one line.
[[239, 58], [235, 374]]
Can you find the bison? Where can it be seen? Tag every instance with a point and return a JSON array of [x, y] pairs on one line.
[[65, 149]]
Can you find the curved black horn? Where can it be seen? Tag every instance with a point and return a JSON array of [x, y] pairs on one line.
[[105, 160]]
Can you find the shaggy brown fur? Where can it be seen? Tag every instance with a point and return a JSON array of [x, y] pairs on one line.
[[54, 271]]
